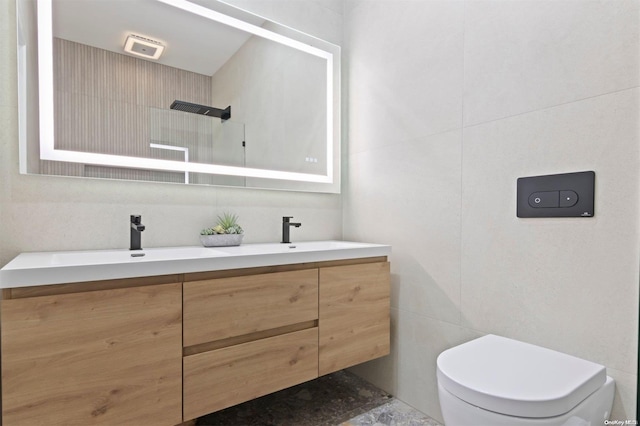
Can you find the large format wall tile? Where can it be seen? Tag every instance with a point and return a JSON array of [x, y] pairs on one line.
[[546, 90], [418, 342], [566, 283], [9, 150], [521, 56], [409, 197], [7, 44], [405, 71]]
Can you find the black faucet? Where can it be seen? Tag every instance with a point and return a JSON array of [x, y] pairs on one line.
[[285, 228], [136, 232]]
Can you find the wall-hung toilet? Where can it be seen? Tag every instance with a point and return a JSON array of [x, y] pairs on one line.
[[495, 381]]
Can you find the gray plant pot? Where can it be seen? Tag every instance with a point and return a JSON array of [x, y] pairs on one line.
[[221, 240]]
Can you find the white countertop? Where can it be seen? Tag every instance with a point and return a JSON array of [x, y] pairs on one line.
[[44, 268]]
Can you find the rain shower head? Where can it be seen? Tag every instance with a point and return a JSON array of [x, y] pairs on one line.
[[223, 114]]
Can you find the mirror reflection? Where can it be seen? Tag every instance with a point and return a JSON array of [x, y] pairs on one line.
[[186, 99]]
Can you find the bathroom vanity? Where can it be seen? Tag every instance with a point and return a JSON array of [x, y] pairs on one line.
[[105, 338]]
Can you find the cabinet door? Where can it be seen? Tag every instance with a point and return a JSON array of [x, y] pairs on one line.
[[354, 319], [227, 307], [110, 357], [224, 377]]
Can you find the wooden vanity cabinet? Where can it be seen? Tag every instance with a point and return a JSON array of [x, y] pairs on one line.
[[107, 357], [163, 350], [221, 308], [354, 315], [248, 336], [221, 378]]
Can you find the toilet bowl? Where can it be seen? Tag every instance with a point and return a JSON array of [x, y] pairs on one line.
[[495, 381]]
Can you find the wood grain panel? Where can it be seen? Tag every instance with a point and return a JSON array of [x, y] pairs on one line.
[[80, 287], [223, 308], [219, 379], [236, 340], [354, 324], [110, 357], [209, 275]]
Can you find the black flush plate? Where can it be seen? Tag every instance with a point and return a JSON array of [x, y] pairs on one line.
[[564, 195]]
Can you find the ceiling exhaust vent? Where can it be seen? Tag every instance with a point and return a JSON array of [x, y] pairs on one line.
[[143, 46]]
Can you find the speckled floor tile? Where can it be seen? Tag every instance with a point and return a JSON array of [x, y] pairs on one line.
[[393, 413], [338, 398]]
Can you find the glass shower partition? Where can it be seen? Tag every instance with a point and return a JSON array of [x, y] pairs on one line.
[[182, 136]]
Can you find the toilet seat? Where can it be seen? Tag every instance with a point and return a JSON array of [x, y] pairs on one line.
[[516, 378]]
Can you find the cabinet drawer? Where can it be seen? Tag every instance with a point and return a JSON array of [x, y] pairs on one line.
[[227, 307], [224, 377]]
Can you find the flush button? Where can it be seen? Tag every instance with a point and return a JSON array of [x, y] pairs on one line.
[[544, 199], [568, 198], [561, 195]]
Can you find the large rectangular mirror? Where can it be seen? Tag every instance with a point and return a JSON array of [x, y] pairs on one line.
[[177, 91]]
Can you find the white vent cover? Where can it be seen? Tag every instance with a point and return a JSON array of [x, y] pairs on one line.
[[143, 46]]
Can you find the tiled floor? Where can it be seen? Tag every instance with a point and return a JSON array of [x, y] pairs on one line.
[[336, 399], [393, 413]]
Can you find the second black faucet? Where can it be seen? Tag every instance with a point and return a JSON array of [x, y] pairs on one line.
[[285, 228], [136, 232]]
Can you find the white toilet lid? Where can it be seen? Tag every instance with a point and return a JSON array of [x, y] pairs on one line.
[[518, 379]]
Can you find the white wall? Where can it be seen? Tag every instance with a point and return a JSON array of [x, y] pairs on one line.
[[449, 103], [57, 213], [280, 95]]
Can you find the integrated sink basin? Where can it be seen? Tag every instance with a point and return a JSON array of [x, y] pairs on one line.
[[78, 258], [43, 268], [270, 248]]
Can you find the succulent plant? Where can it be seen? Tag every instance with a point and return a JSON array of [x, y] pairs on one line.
[[227, 224], [227, 220]]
